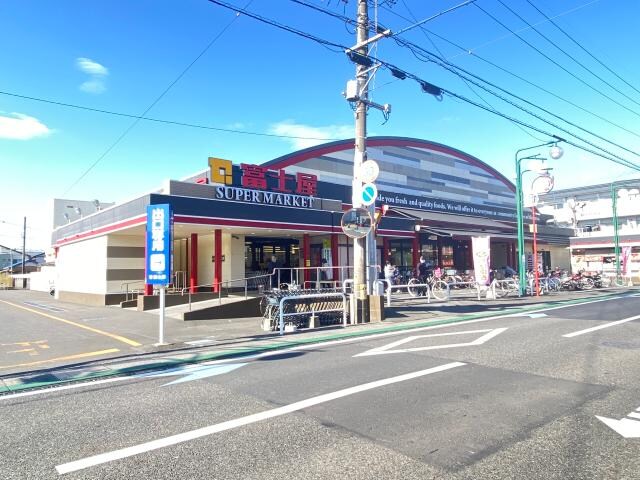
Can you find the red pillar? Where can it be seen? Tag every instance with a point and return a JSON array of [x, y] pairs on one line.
[[193, 263], [217, 264], [415, 249], [306, 256], [385, 249], [335, 256]]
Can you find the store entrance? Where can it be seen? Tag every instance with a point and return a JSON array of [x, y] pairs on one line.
[[258, 252]]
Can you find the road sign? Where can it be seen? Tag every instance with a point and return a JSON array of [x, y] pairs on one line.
[[356, 223], [488, 334], [369, 171], [368, 194]]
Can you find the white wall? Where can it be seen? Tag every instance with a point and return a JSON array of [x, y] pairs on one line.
[[82, 267], [205, 266], [233, 251], [43, 280]]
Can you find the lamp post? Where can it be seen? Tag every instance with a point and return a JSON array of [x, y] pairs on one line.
[[555, 153], [615, 189]]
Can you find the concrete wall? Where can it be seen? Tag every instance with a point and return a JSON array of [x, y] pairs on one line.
[[82, 267], [125, 262]]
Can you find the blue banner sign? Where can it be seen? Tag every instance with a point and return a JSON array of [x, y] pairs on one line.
[[159, 249]]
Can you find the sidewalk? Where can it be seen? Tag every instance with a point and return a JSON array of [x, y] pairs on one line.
[[244, 337]]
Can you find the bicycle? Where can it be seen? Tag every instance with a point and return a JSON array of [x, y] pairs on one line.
[[438, 288], [506, 287]]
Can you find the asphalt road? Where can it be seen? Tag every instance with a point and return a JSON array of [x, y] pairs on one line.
[[503, 398]]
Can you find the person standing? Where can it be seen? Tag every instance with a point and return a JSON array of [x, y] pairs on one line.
[[389, 272], [272, 267], [422, 274]]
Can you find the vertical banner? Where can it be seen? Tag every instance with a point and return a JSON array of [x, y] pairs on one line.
[[481, 259], [326, 255], [159, 244], [626, 254]]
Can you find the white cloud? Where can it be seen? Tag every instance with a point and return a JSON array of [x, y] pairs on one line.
[[93, 86], [96, 72], [92, 68], [309, 136], [17, 126]]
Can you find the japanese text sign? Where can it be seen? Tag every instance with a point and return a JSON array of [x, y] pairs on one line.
[[159, 249]]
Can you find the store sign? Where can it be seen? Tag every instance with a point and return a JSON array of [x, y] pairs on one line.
[[448, 206], [258, 177], [159, 244], [261, 197]]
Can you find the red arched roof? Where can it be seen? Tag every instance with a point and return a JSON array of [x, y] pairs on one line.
[[326, 148]]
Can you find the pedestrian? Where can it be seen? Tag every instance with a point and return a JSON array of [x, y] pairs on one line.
[[422, 274], [324, 274], [272, 269], [389, 272]]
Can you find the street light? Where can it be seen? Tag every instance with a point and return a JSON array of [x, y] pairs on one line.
[[555, 153], [616, 189]]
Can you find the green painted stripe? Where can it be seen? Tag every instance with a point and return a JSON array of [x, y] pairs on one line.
[[281, 345]]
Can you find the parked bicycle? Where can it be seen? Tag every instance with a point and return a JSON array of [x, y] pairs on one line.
[[418, 287]]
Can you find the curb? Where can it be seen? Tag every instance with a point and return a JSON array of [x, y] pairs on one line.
[[48, 380]]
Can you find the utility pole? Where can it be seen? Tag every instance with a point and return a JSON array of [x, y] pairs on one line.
[[359, 244]]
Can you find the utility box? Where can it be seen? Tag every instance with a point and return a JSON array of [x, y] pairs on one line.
[[376, 308]]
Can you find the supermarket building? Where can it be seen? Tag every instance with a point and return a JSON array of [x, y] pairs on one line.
[[231, 218]]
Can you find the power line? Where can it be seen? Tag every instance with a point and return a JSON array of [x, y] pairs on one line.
[[567, 54], [580, 46], [535, 85], [428, 37], [431, 57], [157, 120], [164, 92], [452, 67], [562, 14], [433, 17], [434, 90], [556, 63]]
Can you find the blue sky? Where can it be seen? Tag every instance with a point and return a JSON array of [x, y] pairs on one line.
[[121, 55]]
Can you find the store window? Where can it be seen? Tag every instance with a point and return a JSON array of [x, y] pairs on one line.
[[401, 253]]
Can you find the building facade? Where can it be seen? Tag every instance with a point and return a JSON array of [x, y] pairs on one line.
[[230, 219], [589, 210]]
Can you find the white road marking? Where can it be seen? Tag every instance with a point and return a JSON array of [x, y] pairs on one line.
[[600, 327], [488, 335], [634, 415], [531, 315], [323, 344], [206, 341], [625, 427], [61, 388], [239, 422]]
